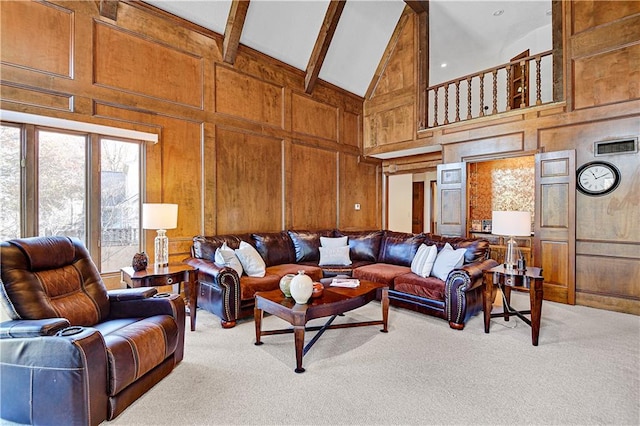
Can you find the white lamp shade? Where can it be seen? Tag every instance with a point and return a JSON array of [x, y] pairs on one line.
[[159, 216], [511, 223]]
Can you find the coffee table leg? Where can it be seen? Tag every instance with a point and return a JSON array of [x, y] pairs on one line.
[[257, 318], [298, 333], [385, 309]]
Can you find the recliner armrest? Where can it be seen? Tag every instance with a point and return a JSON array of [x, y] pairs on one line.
[[32, 328], [131, 293]]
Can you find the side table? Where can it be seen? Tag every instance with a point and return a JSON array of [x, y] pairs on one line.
[[168, 275], [530, 280]]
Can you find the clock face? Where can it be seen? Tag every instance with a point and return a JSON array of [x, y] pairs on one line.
[[598, 178]]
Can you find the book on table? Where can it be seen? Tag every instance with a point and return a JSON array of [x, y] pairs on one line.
[[345, 282]]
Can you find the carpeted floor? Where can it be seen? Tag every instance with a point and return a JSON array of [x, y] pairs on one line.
[[586, 370]]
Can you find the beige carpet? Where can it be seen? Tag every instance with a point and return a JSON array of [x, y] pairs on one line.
[[586, 370]]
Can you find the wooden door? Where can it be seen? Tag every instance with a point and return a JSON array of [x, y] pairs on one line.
[[554, 224], [519, 82], [417, 208], [452, 199]]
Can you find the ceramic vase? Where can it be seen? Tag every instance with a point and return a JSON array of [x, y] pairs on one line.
[[285, 284], [301, 287], [140, 261]]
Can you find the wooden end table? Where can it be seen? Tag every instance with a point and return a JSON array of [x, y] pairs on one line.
[[334, 301], [168, 275], [530, 280]]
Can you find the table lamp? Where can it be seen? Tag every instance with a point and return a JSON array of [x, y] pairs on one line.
[[160, 217], [511, 224]]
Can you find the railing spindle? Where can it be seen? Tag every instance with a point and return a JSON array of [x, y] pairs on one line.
[[446, 103], [469, 98], [508, 68], [525, 96], [495, 92], [481, 114], [457, 100], [435, 107], [538, 81]]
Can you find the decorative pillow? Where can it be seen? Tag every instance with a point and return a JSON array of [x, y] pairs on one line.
[[334, 256], [251, 260], [422, 262], [225, 256], [447, 260], [333, 242]]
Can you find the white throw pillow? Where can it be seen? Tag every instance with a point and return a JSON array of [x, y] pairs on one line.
[[334, 256], [447, 260], [251, 260], [422, 262], [225, 256], [333, 242]]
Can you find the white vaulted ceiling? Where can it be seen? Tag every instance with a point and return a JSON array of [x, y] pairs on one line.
[[460, 31]]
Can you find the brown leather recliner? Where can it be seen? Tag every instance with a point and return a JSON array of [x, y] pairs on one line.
[[73, 352]]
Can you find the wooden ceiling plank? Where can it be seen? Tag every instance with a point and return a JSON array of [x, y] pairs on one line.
[[323, 41], [233, 30], [109, 9]]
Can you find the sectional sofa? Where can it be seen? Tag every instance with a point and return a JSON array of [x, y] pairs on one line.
[[377, 255]]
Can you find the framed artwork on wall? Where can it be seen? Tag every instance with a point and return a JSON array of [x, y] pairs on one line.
[[476, 225], [486, 225]]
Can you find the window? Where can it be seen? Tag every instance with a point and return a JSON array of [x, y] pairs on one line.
[[77, 184]]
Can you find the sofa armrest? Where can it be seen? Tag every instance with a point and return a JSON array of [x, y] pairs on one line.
[[32, 328], [64, 365], [222, 288], [463, 292]]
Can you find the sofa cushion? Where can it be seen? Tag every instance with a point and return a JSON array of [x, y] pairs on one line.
[[249, 285], [332, 242], [313, 271], [447, 260], [399, 248], [205, 247], [363, 245], [226, 256], [422, 262], [306, 243], [136, 347], [380, 273], [251, 261], [334, 256], [429, 287], [275, 248], [477, 249]]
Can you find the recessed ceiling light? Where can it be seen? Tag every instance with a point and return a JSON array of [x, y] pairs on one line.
[[443, 65], [498, 12]]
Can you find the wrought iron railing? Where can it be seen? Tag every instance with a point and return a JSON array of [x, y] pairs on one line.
[[502, 86]]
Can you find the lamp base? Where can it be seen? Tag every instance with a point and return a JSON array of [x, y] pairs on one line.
[[511, 255], [161, 241]]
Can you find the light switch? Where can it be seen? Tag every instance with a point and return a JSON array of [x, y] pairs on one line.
[[357, 206]]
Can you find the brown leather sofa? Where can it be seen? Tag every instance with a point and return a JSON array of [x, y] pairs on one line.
[[377, 255], [73, 352]]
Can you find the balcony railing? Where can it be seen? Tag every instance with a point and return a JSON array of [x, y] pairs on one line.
[[502, 86]]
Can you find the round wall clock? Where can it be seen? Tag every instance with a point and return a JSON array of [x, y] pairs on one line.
[[598, 178]]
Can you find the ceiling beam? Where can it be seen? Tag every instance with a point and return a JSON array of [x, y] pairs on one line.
[[418, 6], [323, 41], [108, 9], [233, 30]]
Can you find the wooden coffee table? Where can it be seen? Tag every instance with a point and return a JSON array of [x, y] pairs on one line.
[[334, 301]]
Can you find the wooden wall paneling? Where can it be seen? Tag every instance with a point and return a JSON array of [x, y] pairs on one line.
[[51, 52], [248, 182], [234, 90], [137, 64], [588, 14], [608, 77], [29, 96], [313, 118], [351, 129], [359, 182], [313, 187]]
